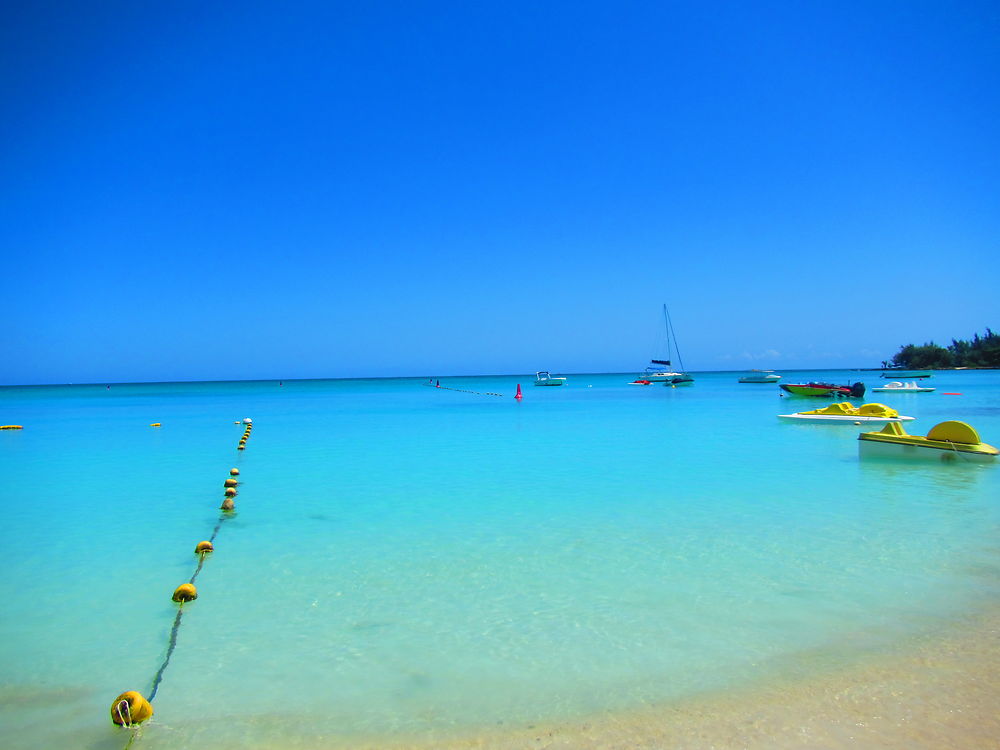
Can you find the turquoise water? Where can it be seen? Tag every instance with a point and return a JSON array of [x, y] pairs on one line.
[[409, 561]]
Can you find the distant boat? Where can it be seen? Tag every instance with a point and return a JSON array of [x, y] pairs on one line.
[[761, 376], [898, 387], [905, 374], [659, 370], [543, 378]]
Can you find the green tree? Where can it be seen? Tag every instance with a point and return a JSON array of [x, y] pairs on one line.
[[982, 351]]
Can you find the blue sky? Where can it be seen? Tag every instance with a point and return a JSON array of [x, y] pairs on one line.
[[322, 189]]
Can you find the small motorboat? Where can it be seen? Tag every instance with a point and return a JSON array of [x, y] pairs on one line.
[[543, 378], [824, 389], [946, 441], [906, 374], [641, 381], [900, 387], [761, 376], [844, 412]]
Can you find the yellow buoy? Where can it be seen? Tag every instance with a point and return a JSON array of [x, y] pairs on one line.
[[230, 483], [204, 547], [241, 447], [11, 427], [156, 424], [234, 472], [230, 491], [228, 504], [186, 592], [130, 708]]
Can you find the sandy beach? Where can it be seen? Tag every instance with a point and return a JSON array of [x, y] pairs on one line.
[[938, 692]]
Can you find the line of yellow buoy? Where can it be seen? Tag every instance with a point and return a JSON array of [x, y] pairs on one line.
[[131, 708], [246, 434], [463, 390]]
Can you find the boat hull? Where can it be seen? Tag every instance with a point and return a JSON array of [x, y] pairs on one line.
[[875, 448], [551, 381], [814, 390], [683, 380], [849, 419], [756, 379]]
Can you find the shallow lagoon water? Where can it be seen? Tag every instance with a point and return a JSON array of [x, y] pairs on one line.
[[408, 561]]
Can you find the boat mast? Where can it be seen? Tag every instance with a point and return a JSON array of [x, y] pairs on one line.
[[666, 323], [670, 334]]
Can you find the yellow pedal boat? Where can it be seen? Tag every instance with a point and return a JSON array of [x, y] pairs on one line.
[[947, 441], [844, 412]]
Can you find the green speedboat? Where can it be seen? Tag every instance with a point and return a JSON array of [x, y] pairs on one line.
[[824, 389]]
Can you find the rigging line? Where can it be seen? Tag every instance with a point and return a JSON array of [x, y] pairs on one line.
[[670, 332], [666, 322]]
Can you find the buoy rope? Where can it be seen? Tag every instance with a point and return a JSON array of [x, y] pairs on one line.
[[128, 710], [134, 734], [202, 555], [180, 611], [126, 719], [462, 390], [170, 652]]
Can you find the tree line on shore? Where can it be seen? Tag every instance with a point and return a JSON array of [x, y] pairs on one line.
[[982, 351]]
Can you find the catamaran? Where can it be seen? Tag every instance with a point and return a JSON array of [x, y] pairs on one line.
[[659, 370]]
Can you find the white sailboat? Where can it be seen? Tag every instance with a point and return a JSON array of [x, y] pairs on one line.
[[659, 370]]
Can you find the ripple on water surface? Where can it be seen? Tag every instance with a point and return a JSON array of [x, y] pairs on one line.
[[406, 561]]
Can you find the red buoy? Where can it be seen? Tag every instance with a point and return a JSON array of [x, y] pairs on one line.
[[518, 395]]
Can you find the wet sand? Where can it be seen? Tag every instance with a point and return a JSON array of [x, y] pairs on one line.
[[938, 692]]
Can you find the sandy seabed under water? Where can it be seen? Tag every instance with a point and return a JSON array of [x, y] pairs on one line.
[[937, 692]]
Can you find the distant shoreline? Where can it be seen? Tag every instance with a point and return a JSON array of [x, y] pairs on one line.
[[624, 373]]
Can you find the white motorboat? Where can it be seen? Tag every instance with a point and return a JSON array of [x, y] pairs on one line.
[[543, 378], [761, 376], [900, 387], [843, 412]]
